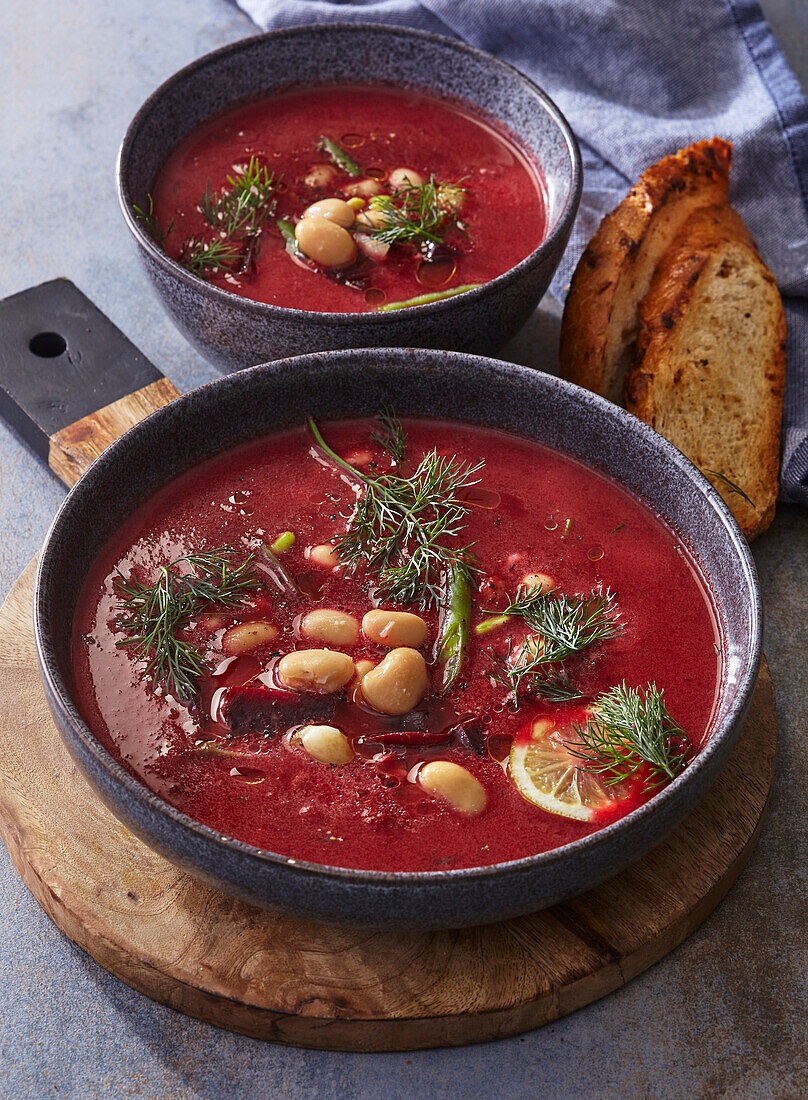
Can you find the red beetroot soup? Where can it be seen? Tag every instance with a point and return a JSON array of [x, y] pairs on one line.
[[347, 199], [578, 602]]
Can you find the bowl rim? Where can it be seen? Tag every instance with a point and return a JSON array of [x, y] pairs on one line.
[[267, 309], [602, 838]]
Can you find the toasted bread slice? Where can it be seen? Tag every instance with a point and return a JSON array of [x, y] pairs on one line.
[[599, 328], [710, 364]]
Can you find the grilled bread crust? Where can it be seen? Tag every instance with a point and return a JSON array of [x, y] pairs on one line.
[[599, 327], [709, 371]]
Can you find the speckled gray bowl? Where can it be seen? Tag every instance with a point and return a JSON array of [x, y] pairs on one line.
[[234, 332], [346, 384]]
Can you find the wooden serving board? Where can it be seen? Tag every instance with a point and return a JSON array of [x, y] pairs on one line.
[[295, 981], [70, 383]]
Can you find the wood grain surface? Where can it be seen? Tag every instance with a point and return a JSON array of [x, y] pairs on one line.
[[292, 981], [75, 447]]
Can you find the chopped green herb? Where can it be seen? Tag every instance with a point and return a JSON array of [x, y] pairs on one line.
[[453, 626], [151, 223], [416, 213], [733, 488], [284, 541], [287, 231], [529, 671], [400, 525], [629, 730], [392, 437], [198, 255], [338, 156], [151, 615], [245, 206], [567, 624], [425, 299]]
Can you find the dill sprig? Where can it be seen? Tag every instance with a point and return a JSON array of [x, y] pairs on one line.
[[628, 731], [529, 671], [151, 222], [731, 486], [197, 255], [416, 214], [567, 624], [400, 524], [151, 614], [392, 436], [561, 626], [245, 206]]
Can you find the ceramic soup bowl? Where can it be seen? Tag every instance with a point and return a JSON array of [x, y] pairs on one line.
[[342, 384], [234, 332]]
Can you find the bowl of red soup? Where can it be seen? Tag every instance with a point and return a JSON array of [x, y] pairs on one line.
[[397, 637], [348, 186]]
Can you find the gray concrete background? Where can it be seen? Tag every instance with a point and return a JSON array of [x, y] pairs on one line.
[[722, 1016]]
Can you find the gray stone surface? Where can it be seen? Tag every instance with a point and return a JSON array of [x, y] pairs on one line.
[[722, 1016]]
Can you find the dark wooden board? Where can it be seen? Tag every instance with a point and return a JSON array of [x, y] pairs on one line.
[[296, 981], [61, 360]]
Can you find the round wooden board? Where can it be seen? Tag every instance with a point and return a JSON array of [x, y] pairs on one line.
[[295, 981]]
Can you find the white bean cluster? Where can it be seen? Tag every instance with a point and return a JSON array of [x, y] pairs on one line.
[[393, 686], [323, 234]]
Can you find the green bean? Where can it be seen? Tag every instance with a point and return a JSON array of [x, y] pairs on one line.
[[491, 624], [425, 299], [453, 626], [339, 156], [284, 541], [287, 231]]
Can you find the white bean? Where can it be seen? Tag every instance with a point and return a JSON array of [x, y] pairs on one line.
[[316, 671], [363, 188], [394, 628], [538, 580], [455, 785], [405, 177], [320, 175], [326, 624], [243, 637], [333, 210], [324, 555], [327, 744], [325, 242], [373, 219], [397, 683]]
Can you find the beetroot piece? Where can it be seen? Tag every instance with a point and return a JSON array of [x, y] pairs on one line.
[[255, 707], [471, 734]]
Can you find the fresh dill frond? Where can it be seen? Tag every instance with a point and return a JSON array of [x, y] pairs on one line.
[[243, 207], [400, 525], [415, 214], [151, 222], [630, 730], [152, 614], [392, 437], [733, 488], [197, 255], [566, 624], [530, 671]]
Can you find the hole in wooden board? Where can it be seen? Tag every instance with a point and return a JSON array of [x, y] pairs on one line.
[[48, 345]]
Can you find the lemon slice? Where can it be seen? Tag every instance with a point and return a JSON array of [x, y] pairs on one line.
[[546, 774]]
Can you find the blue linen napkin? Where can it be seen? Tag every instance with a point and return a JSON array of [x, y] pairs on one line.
[[637, 80]]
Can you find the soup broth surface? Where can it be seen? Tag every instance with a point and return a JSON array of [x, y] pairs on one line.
[[534, 511], [487, 227]]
